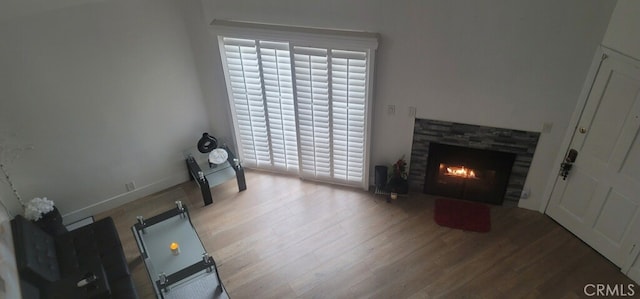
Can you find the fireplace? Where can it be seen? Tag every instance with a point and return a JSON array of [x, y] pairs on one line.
[[468, 173], [520, 143]]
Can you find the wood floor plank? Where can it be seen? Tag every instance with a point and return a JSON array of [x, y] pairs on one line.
[[288, 238]]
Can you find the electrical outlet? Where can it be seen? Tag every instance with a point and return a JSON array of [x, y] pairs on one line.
[[546, 127], [130, 186], [391, 109], [525, 193]]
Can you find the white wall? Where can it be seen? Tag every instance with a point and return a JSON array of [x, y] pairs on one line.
[[12, 9], [8, 269], [108, 93], [623, 33], [205, 51], [511, 64]]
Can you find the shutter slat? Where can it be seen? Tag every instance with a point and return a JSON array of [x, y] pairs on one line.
[[348, 71], [277, 77], [311, 67], [244, 79]]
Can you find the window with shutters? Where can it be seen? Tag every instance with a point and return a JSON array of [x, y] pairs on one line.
[[300, 100]]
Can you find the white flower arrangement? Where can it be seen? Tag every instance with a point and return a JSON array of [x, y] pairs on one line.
[[37, 207]]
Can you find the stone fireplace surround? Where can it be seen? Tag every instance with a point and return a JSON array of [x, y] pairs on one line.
[[521, 143]]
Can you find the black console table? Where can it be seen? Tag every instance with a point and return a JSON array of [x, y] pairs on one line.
[[209, 175]]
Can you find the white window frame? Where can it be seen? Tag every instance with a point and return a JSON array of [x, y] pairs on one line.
[[306, 37]]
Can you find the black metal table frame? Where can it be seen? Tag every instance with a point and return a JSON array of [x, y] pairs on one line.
[[162, 283], [203, 183]]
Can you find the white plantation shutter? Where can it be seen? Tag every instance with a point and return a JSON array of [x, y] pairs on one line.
[[278, 89], [312, 85], [247, 100], [348, 94], [300, 100]]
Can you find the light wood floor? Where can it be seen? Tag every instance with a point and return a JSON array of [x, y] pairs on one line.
[[285, 238]]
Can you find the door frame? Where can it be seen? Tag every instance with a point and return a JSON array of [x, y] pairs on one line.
[[596, 62]]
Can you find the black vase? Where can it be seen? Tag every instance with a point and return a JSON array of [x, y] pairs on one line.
[[403, 186], [51, 223], [398, 185]]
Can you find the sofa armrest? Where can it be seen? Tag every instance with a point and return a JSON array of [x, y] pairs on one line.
[[97, 241], [35, 250], [67, 287]]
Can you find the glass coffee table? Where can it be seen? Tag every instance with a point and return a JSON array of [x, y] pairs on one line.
[[176, 260]]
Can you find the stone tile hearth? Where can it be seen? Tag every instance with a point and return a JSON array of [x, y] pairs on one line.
[[521, 143]]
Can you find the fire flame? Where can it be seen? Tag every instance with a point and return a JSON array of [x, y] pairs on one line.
[[461, 172]]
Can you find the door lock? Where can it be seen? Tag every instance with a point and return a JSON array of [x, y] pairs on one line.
[[566, 166]]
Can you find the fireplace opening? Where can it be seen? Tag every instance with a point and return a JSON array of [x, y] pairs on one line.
[[468, 173]]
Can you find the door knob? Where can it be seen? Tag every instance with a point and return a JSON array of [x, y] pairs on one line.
[[583, 130], [566, 166]]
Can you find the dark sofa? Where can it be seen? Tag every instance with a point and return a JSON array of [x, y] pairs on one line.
[[51, 264]]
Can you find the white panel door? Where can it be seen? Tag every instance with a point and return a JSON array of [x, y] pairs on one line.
[[600, 199]]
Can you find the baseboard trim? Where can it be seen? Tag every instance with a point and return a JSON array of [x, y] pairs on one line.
[[634, 273], [123, 198]]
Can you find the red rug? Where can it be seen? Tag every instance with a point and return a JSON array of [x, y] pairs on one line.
[[463, 215]]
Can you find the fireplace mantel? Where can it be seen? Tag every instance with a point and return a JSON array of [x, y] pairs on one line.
[[521, 143]]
